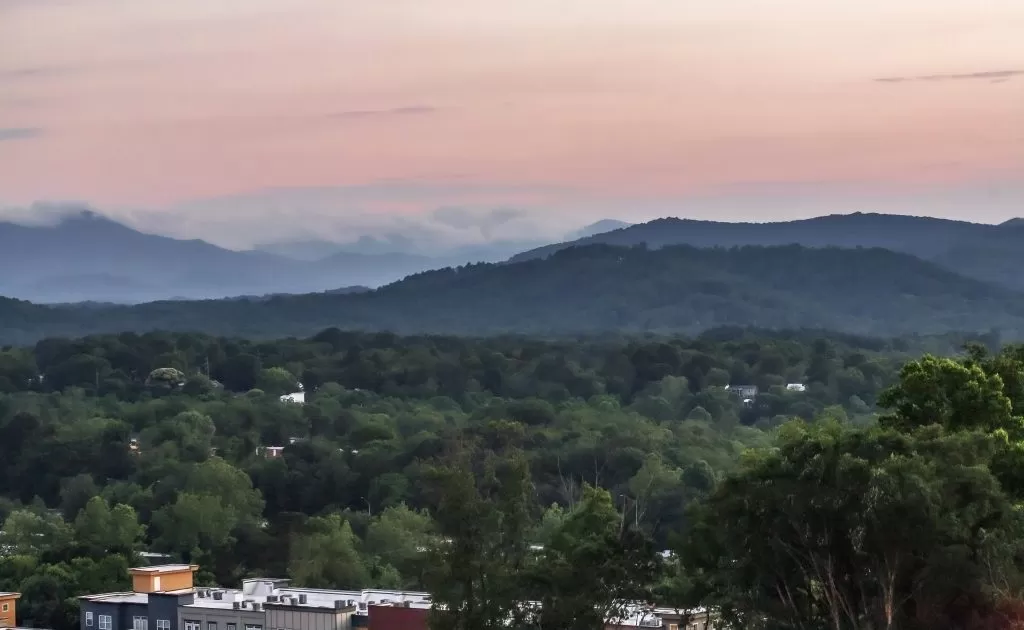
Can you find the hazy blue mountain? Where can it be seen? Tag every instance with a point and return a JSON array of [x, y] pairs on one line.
[[89, 257], [593, 290], [598, 227], [492, 251], [983, 251], [308, 250], [439, 254]]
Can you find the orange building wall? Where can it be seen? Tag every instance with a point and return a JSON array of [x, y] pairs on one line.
[[154, 582], [9, 619]]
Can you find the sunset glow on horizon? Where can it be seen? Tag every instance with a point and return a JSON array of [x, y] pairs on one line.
[[133, 104]]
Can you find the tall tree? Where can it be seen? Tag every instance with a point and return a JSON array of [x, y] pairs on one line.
[[483, 500]]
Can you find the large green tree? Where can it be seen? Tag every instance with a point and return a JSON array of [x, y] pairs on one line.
[[857, 529]]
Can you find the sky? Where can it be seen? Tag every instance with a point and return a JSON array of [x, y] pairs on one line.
[[242, 121]]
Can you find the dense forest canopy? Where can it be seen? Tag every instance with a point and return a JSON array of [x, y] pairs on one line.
[[597, 289], [115, 444]]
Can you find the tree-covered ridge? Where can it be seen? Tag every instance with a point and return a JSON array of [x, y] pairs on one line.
[[990, 253], [537, 484], [593, 290], [167, 429]]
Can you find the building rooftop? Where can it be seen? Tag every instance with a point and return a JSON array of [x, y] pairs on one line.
[[276, 592], [165, 568], [118, 598]]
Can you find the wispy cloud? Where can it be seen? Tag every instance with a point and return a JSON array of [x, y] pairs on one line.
[[32, 72], [19, 133], [993, 76], [412, 110]]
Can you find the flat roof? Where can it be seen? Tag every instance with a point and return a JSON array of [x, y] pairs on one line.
[[165, 568], [118, 598], [315, 598], [10, 595]]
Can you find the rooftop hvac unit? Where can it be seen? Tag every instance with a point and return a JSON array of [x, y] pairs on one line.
[[218, 596], [339, 604], [272, 598], [302, 598], [255, 605], [236, 605]]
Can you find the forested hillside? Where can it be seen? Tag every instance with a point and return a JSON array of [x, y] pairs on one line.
[[990, 253], [112, 445], [590, 290]]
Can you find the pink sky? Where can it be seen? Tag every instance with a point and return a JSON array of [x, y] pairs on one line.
[[560, 104]]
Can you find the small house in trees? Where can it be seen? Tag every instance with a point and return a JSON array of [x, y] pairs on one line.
[[796, 387], [743, 391], [270, 452], [295, 397]]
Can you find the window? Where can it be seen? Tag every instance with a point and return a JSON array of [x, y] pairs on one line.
[[232, 626], [88, 619], [7, 608], [192, 625], [673, 626], [211, 625], [250, 626], [106, 622], [140, 623], [163, 624]]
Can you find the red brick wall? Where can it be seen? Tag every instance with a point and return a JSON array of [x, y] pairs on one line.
[[397, 618]]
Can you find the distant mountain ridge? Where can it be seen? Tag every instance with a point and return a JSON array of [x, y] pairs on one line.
[[982, 251], [594, 290], [87, 257]]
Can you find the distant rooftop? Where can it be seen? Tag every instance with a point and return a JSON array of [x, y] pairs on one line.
[[270, 591], [118, 598], [165, 568]]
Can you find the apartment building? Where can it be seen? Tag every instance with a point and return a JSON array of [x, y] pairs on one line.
[[164, 597]]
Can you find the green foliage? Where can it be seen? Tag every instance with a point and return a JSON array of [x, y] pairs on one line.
[[592, 568], [442, 463], [102, 530], [327, 556]]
